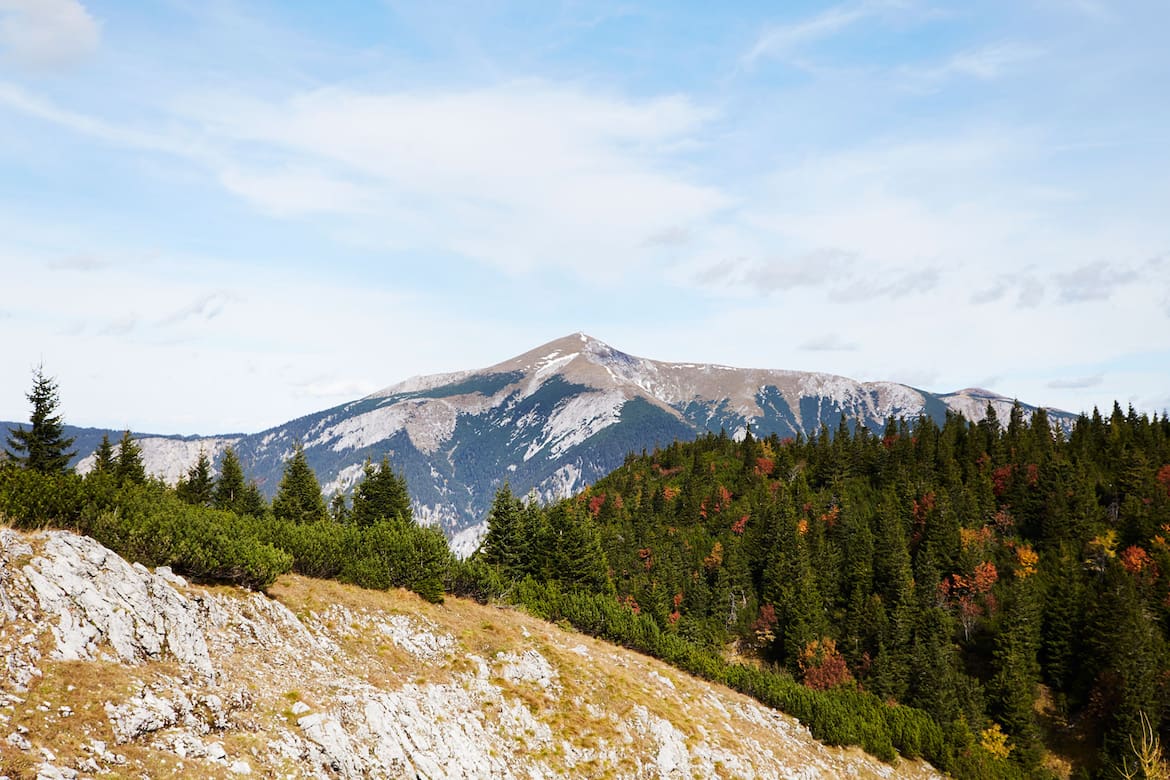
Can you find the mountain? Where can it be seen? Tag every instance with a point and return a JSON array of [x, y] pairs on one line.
[[553, 420], [114, 669]]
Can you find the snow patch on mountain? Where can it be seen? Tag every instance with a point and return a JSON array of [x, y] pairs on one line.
[[467, 541], [428, 422], [563, 483], [364, 429], [420, 384], [576, 419], [344, 480], [895, 399]]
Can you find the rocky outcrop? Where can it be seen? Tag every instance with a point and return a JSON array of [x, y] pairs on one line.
[[111, 668]]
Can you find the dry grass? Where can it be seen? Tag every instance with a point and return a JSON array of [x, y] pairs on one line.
[[592, 708]]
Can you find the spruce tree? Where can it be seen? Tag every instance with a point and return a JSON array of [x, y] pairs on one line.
[[43, 447], [103, 457], [229, 488], [196, 488], [128, 466], [381, 495], [252, 503], [502, 546], [299, 496]]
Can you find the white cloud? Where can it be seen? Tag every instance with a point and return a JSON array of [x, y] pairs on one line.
[[830, 342], [1077, 382], [18, 99], [522, 176], [779, 40], [76, 263], [292, 193], [987, 63], [46, 34], [1093, 282]]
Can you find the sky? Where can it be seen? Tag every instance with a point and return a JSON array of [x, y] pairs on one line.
[[217, 215]]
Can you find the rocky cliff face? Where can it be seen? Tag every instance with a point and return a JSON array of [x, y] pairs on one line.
[[111, 668]]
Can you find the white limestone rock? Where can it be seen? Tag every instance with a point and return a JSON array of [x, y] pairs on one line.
[[93, 599], [529, 666]]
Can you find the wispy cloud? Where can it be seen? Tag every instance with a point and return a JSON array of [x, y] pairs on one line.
[[675, 235], [987, 63], [18, 99], [821, 268], [46, 34], [203, 309], [782, 39], [337, 388], [830, 342], [85, 263], [1092, 282], [1077, 383], [120, 326], [891, 285], [1028, 289]]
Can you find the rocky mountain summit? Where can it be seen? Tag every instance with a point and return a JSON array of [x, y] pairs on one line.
[[114, 670], [552, 421]]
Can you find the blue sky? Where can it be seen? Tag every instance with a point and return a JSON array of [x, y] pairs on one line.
[[217, 216]]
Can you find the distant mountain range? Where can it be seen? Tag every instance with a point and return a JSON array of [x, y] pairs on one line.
[[549, 421]]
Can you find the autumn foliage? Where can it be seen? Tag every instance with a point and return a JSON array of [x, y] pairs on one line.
[[822, 667]]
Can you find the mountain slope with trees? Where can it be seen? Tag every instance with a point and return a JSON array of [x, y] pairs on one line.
[[1010, 581], [552, 420]]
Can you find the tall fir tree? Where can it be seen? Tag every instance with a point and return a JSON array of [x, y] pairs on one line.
[[299, 496], [198, 485], [503, 545], [381, 495], [103, 457], [229, 488], [128, 468], [43, 446]]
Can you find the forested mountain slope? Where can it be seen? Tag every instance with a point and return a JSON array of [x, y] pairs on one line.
[[1010, 581]]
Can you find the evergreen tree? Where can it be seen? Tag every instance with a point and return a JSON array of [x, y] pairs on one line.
[[299, 496], [503, 545], [197, 487], [381, 495], [338, 510], [229, 488], [1017, 670], [252, 503], [128, 468], [103, 457], [575, 557], [42, 447]]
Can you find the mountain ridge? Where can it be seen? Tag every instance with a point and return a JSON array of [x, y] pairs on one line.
[[552, 420]]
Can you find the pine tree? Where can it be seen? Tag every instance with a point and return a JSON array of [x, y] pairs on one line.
[[1017, 670], [575, 555], [103, 457], [128, 466], [338, 510], [43, 447], [381, 495], [299, 496], [252, 503], [229, 488], [196, 488], [503, 545]]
